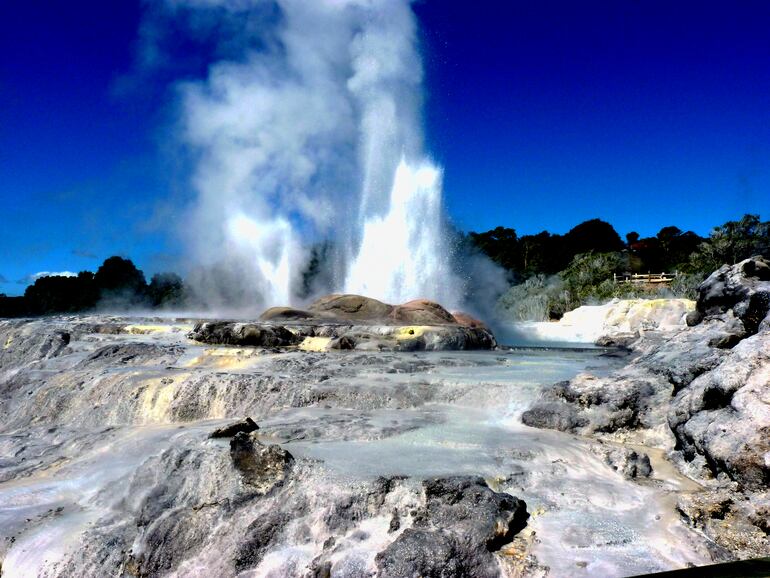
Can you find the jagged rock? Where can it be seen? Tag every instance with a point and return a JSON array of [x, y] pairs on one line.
[[417, 338], [133, 354], [458, 338], [743, 288], [350, 307], [285, 314], [418, 553], [588, 404], [422, 312], [469, 507], [554, 415], [619, 340], [231, 333], [247, 426], [259, 535], [261, 466], [735, 523], [709, 386], [724, 415], [462, 522], [344, 342]]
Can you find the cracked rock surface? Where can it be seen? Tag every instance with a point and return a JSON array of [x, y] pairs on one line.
[[701, 393]]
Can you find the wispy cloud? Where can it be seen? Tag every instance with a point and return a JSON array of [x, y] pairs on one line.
[[83, 253], [35, 276]]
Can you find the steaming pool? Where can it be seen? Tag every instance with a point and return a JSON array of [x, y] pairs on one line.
[[408, 414]]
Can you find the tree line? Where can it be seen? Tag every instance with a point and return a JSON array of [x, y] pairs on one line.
[[548, 273], [117, 284], [671, 249], [551, 274]]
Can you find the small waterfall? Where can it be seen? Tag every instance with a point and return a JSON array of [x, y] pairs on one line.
[[404, 254]]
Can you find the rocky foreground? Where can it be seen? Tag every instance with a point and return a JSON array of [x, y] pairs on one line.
[[360, 439], [702, 394], [121, 456]]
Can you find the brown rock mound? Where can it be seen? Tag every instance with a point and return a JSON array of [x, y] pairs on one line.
[[356, 307], [467, 320], [422, 312], [285, 314]]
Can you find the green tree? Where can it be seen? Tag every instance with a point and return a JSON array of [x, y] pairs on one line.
[[732, 242], [166, 290], [120, 283]]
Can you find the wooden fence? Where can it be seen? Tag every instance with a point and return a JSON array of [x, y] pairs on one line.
[[654, 278]]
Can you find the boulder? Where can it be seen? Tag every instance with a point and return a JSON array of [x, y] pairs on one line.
[[629, 462], [350, 307], [247, 426], [253, 334], [455, 533], [743, 288], [421, 312], [261, 466]]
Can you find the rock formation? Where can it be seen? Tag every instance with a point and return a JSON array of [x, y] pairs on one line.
[[347, 322], [455, 532], [702, 393]]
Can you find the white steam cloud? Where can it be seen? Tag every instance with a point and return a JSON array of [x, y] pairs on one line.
[[311, 130]]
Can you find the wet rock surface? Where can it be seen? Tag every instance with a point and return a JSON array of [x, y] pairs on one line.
[[702, 393], [252, 334], [262, 466], [247, 425], [448, 337], [362, 460], [462, 522]]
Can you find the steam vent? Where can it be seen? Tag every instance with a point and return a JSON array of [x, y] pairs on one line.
[[344, 322]]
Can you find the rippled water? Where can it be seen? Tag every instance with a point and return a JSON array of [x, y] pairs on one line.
[[590, 520], [587, 520]]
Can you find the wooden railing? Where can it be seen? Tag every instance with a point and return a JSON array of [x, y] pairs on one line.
[[654, 278]]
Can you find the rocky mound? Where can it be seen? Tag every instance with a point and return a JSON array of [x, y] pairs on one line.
[[351, 308], [359, 309], [318, 336], [229, 333], [703, 393], [345, 322]]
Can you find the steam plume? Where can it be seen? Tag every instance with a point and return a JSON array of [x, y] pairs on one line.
[[310, 129]]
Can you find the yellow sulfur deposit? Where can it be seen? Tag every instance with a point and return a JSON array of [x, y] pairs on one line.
[[225, 358], [156, 401], [315, 344], [410, 332]]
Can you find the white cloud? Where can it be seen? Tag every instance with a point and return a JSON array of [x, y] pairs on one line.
[[40, 274]]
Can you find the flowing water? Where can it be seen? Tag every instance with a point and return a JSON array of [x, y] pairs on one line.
[[418, 415]]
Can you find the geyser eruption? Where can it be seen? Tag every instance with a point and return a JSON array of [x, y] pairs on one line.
[[402, 254], [308, 130]]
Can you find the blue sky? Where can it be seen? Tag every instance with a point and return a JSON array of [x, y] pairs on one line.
[[543, 115]]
